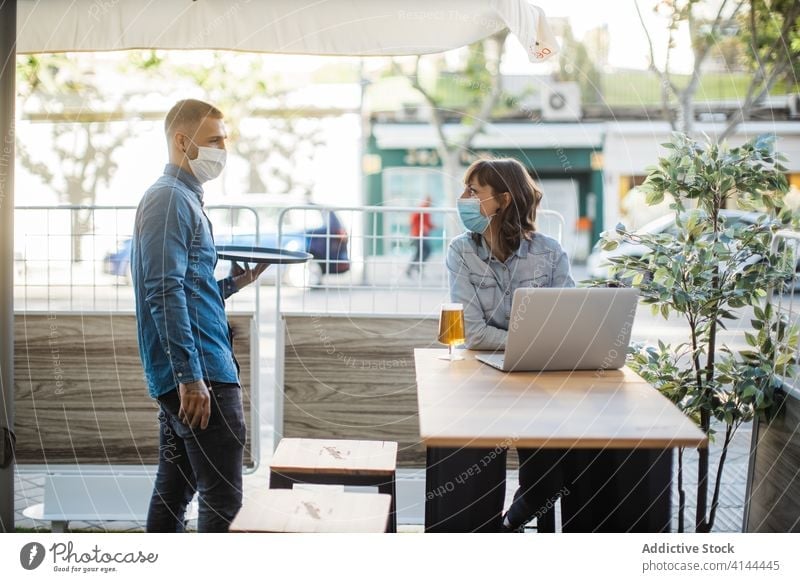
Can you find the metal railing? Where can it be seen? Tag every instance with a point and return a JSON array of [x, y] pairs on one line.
[[59, 255], [77, 258], [366, 262]]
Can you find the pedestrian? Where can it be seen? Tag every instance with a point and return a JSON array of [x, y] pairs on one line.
[[421, 226]]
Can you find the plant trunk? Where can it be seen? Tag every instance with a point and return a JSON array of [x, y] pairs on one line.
[[681, 493], [702, 478], [702, 462], [718, 481], [701, 523]]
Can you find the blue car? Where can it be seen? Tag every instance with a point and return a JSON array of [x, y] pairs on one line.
[[326, 243]]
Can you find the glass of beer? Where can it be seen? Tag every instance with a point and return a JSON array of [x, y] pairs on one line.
[[451, 328]]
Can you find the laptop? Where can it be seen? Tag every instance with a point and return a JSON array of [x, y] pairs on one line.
[[567, 329]]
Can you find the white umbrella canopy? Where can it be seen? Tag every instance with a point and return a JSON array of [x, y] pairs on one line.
[[316, 27]]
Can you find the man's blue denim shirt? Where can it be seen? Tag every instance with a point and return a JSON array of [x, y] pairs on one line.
[[486, 285], [183, 330]]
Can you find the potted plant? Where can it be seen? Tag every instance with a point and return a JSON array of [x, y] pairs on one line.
[[707, 272]]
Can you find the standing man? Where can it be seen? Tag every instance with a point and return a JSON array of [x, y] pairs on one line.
[[420, 227], [184, 338]]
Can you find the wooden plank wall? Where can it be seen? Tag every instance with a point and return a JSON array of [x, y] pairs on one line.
[[774, 502], [353, 378], [80, 394]]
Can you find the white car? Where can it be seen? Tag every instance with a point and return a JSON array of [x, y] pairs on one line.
[[599, 267]]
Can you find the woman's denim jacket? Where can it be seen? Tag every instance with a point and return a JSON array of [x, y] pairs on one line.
[[486, 285]]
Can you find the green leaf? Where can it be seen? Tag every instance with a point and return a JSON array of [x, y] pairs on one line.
[[654, 197], [749, 392]]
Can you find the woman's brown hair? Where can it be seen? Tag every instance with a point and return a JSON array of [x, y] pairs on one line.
[[509, 175]]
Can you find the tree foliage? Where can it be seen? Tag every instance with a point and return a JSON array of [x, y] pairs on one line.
[[481, 79], [575, 64], [84, 150], [273, 138], [768, 33]]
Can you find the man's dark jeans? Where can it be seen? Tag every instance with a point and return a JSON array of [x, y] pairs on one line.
[[208, 461]]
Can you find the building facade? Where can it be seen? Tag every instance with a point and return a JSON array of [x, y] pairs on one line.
[[587, 170]]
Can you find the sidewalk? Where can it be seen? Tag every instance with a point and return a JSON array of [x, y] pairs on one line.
[[29, 490]]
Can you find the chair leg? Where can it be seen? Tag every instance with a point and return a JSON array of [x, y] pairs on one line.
[[280, 481], [390, 488]]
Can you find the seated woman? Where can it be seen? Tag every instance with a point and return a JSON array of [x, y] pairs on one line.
[[500, 252]]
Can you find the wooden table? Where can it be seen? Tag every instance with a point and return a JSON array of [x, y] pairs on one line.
[[617, 431]]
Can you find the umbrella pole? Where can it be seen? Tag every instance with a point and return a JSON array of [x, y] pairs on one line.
[[8, 60]]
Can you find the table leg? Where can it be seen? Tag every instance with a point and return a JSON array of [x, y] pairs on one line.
[[546, 522], [464, 489], [389, 488], [617, 490]]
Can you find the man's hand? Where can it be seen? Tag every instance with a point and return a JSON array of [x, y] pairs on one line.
[[243, 276], [195, 404]]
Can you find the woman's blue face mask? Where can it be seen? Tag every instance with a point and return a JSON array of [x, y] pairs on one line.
[[469, 211]]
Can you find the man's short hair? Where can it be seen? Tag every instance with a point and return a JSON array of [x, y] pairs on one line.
[[189, 113]]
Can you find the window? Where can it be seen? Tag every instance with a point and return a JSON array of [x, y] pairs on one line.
[[408, 187]]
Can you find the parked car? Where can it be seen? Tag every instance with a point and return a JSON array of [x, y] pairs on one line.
[[317, 231], [119, 262], [599, 267]]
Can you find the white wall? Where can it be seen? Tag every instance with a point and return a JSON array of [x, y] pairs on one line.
[[630, 147]]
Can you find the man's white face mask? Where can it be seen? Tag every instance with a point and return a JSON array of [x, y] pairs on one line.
[[208, 164]]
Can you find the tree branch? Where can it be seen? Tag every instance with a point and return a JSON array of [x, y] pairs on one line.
[[718, 21], [754, 38], [485, 114], [703, 49], [653, 67], [438, 118], [779, 67]]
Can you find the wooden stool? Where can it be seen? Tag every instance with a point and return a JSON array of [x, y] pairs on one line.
[[290, 511], [337, 462]]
